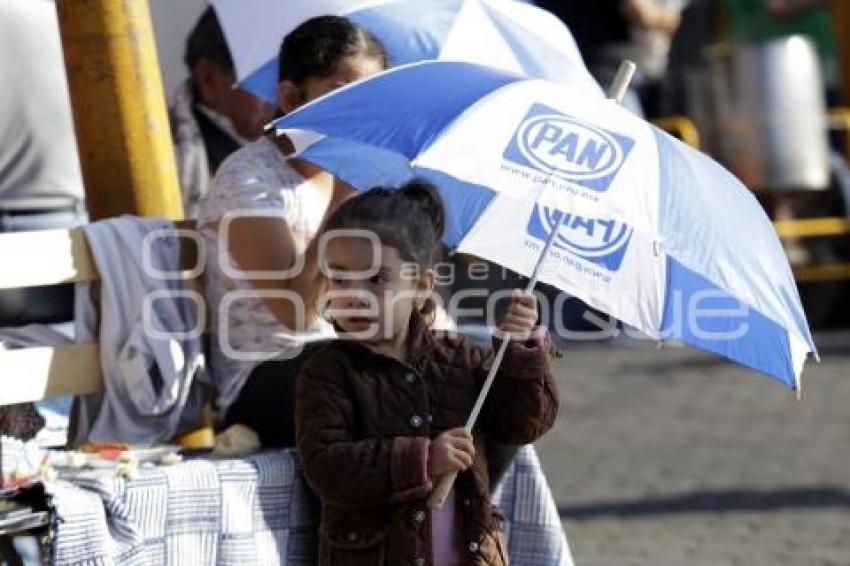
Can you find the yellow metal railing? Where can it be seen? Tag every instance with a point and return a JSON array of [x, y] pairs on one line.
[[816, 228], [826, 272], [812, 227], [825, 227], [838, 118], [680, 126]]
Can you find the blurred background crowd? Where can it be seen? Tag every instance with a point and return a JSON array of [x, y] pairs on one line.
[[761, 85]]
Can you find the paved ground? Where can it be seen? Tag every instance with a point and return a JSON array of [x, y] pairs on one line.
[[677, 458]]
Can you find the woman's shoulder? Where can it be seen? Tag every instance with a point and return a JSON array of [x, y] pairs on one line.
[[255, 176], [255, 159]]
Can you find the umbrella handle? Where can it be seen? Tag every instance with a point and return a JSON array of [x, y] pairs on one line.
[[447, 480], [441, 491]]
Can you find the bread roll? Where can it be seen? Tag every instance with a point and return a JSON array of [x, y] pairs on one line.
[[237, 441]]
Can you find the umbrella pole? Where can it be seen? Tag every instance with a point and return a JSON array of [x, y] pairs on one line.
[[446, 481]]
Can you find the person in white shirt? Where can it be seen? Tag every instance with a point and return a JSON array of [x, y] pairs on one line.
[[281, 203], [41, 186]]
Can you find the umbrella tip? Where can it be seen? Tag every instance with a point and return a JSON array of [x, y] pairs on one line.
[[798, 385], [621, 82]]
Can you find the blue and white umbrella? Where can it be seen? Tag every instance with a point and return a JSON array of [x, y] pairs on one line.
[[508, 34], [646, 229]]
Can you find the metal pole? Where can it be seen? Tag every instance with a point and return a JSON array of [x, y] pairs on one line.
[[120, 117]]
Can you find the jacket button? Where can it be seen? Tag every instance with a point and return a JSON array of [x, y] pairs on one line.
[[467, 502], [430, 419], [419, 515], [352, 536], [415, 421], [473, 546], [410, 377]]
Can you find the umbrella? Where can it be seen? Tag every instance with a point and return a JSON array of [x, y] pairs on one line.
[[577, 191], [508, 34], [648, 230]]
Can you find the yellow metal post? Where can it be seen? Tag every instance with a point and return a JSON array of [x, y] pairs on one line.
[[119, 109]]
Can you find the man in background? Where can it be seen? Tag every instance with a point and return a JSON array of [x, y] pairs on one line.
[[210, 116], [41, 185], [608, 32]]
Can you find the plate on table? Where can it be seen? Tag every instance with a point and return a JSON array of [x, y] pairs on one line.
[[153, 453], [111, 457]]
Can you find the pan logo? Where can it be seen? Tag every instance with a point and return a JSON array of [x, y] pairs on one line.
[[554, 143], [602, 241]]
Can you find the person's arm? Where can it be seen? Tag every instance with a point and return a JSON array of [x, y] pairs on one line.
[[342, 470], [523, 401], [649, 14], [266, 244]]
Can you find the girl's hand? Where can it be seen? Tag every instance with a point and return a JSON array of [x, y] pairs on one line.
[[521, 317], [450, 451]]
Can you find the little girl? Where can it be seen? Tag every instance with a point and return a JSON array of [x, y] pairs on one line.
[[380, 412]]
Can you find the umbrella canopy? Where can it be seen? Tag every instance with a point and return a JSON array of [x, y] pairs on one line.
[[649, 230], [508, 34]]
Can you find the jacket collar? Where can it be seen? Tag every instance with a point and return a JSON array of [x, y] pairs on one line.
[[420, 343]]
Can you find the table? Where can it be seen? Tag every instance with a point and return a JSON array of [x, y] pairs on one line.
[[255, 510]]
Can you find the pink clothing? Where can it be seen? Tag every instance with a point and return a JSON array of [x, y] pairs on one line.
[[444, 533]]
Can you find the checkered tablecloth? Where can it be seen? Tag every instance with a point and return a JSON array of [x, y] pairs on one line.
[[251, 511], [255, 510], [533, 527]]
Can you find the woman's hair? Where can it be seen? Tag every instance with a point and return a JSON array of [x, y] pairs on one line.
[[410, 219], [316, 47], [206, 41]]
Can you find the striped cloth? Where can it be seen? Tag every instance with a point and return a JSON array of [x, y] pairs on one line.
[[251, 511], [532, 526], [255, 510], [17, 455]]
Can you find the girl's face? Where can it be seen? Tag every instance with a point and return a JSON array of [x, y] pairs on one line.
[[373, 291]]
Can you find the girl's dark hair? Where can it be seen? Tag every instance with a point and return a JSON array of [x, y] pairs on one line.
[[206, 40], [316, 47], [410, 219]]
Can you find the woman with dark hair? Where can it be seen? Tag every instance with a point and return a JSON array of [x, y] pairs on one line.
[[260, 215]]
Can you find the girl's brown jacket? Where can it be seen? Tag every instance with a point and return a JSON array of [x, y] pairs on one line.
[[363, 425]]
